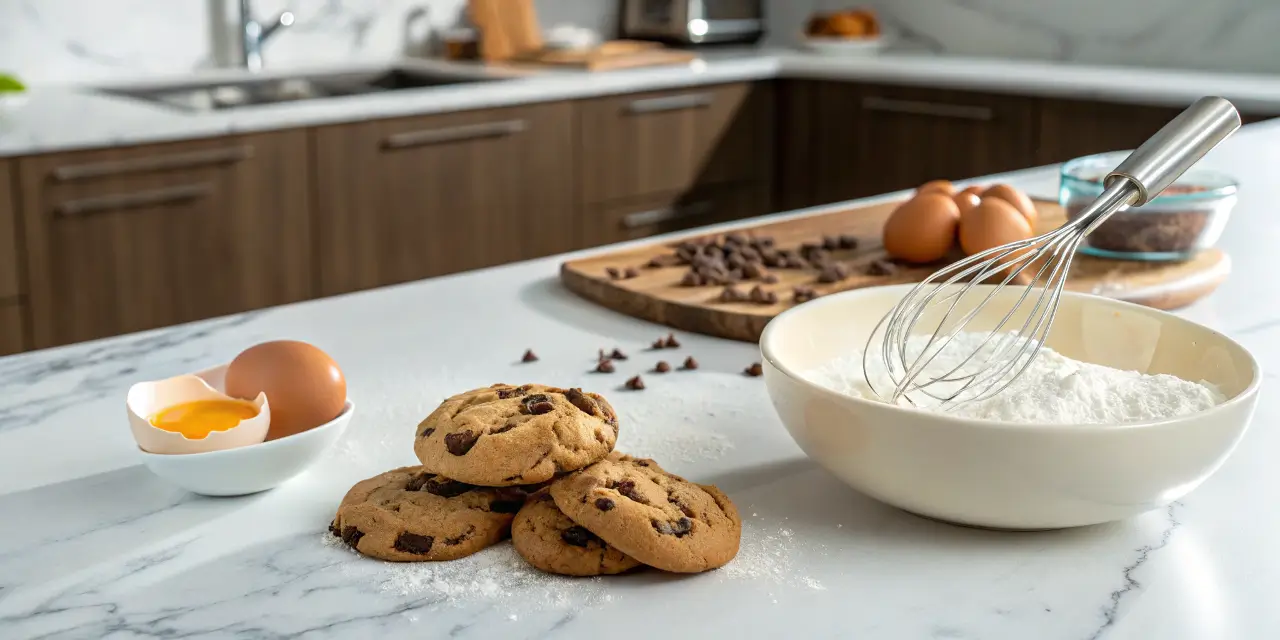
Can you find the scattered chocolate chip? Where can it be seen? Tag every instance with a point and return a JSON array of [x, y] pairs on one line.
[[445, 488], [830, 243], [691, 279], [605, 366], [415, 483], [660, 343], [833, 273], [618, 354], [803, 294], [750, 254], [735, 238], [613, 272], [671, 341], [759, 296], [529, 356], [882, 267], [635, 384], [581, 400], [734, 275], [460, 443], [426, 432], [414, 543], [752, 271], [689, 364], [630, 273], [755, 370], [351, 536], [732, 294], [661, 367], [577, 535], [848, 242], [333, 528], [795, 263], [604, 504], [772, 260], [769, 278], [537, 404]]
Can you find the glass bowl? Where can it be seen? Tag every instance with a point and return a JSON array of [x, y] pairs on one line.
[[1184, 219]]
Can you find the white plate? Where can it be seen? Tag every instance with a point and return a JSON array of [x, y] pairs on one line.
[[845, 47]]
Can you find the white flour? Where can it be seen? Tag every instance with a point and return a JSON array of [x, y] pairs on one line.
[[1055, 389]]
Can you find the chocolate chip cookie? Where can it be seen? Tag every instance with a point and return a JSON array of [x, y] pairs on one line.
[[550, 541], [504, 435], [651, 515], [407, 515]]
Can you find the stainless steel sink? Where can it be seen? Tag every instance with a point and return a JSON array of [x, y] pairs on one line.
[[248, 92]]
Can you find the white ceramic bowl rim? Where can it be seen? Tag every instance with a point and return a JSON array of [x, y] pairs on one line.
[[261, 446], [766, 350]]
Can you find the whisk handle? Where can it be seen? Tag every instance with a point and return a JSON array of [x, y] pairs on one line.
[[1165, 156]]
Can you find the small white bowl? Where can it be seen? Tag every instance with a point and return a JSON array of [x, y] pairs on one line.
[[1006, 475], [251, 468], [841, 47]]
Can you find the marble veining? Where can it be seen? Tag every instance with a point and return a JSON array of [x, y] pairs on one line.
[[96, 547]]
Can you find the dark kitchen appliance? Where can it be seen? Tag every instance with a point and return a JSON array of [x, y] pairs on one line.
[[693, 22]]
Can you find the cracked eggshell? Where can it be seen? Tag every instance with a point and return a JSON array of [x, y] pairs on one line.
[[145, 399]]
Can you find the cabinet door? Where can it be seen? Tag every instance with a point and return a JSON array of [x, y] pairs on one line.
[[644, 144], [126, 239], [644, 217], [12, 328], [411, 198], [1073, 128], [9, 283]]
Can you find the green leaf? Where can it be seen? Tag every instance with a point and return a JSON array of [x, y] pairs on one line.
[[10, 84]]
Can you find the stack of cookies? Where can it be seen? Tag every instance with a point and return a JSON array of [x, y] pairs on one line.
[[537, 463]]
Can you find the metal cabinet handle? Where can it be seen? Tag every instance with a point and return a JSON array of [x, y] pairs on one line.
[[922, 108], [137, 199], [667, 214], [454, 134], [671, 103], [166, 162]]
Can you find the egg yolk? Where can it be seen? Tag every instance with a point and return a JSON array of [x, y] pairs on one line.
[[196, 420]]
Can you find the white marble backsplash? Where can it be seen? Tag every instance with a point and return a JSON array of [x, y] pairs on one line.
[[1224, 35], [67, 41]]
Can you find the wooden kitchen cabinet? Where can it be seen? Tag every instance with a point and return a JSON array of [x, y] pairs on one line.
[[848, 141], [675, 211], [12, 328], [9, 260], [126, 239], [411, 198], [643, 144], [1073, 128]]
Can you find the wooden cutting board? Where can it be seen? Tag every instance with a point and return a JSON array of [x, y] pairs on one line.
[[656, 295], [615, 54]]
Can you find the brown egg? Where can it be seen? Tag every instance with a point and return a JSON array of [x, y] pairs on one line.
[[976, 190], [966, 201], [990, 224], [922, 229], [304, 386], [1018, 199], [942, 186]]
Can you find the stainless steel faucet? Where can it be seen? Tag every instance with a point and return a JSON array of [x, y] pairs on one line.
[[254, 34]]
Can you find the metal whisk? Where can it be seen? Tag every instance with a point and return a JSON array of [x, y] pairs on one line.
[[1039, 265]]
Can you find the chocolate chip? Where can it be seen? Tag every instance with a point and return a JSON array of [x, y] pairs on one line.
[[832, 273], [769, 278], [882, 267], [660, 343], [830, 243], [605, 366], [804, 294], [691, 279], [618, 354], [414, 543], [577, 535], [635, 384], [661, 367], [529, 356], [581, 400], [678, 528], [628, 489], [512, 392], [604, 504], [446, 488], [764, 241], [537, 404], [671, 341], [613, 272], [680, 505], [848, 242], [630, 273], [506, 505], [460, 443], [732, 294], [758, 294], [415, 483], [333, 524], [735, 238], [796, 263], [351, 536], [689, 364], [755, 370], [426, 432], [734, 275], [752, 271], [459, 539]]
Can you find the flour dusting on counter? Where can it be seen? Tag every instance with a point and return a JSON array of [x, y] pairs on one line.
[[1055, 389]]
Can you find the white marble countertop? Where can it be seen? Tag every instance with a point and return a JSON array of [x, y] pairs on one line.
[[96, 547], [56, 118]]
